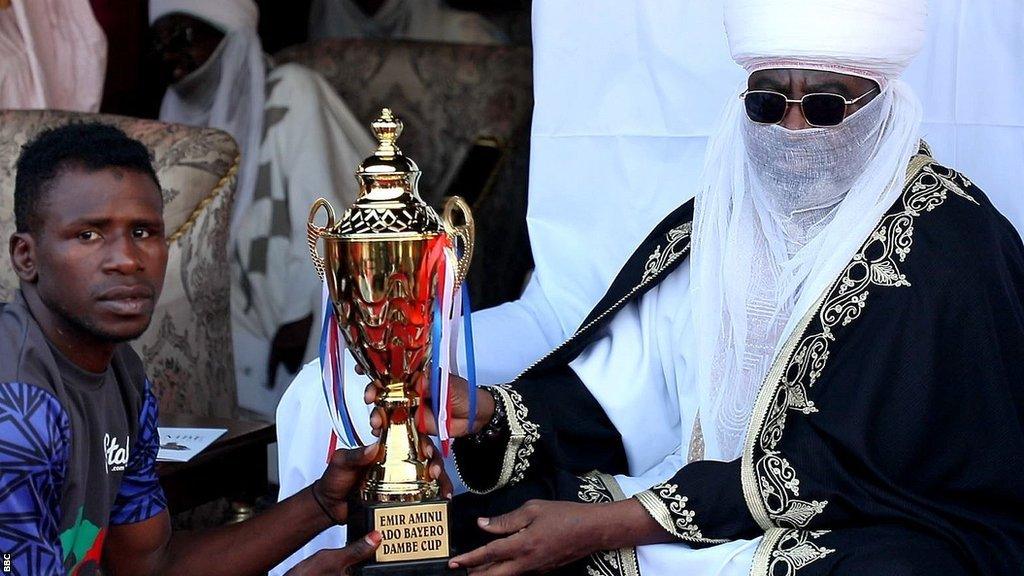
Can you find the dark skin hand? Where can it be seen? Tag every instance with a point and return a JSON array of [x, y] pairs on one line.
[[796, 82], [458, 392], [581, 528], [543, 535], [337, 562]]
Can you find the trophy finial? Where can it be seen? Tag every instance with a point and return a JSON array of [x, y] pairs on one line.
[[387, 128]]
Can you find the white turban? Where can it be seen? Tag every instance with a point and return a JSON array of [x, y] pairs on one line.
[[872, 38], [227, 15]]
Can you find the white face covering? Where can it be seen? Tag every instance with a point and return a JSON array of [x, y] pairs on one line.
[[800, 176], [779, 213]]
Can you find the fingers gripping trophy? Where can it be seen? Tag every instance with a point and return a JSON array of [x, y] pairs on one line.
[[393, 268]]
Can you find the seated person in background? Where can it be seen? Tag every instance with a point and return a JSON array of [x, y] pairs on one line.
[[78, 436], [426, 20], [830, 383], [298, 142]]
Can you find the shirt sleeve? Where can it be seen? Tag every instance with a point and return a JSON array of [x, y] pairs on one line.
[[140, 496], [35, 439]]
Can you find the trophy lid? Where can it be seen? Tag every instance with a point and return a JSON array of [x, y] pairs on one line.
[[388, 159], [389, 202]]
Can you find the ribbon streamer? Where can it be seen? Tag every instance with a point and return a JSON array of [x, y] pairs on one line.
[[332, 370]]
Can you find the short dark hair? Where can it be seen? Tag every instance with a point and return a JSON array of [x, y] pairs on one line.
[[87, 145]]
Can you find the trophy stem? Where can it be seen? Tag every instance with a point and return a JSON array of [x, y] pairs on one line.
[[400, 473]]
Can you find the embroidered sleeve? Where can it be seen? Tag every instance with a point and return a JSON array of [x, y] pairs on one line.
[[554, 423], [702, 504], [499, 462], [35, 437], [140, 496], [596, 488]]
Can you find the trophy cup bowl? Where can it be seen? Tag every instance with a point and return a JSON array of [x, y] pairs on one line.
[[380, 264]]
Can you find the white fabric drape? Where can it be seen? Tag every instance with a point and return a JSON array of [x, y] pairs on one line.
[[53, 54], [427, 20]]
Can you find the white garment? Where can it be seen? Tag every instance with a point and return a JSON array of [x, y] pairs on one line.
[[53, 55], [427, 20], [876, 38], [312, 142]]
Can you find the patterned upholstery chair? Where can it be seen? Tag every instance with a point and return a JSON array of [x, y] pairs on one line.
[[450, 96], [187, 349]]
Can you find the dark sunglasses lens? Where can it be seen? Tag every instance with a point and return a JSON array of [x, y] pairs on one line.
[[765, 107], [824, 109]]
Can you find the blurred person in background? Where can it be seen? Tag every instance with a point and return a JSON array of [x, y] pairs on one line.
[[53, 54], [429, 20], [298, 141]]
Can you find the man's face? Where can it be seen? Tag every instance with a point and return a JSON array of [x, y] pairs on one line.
[[797, 82], [99, 252], [182, 44]]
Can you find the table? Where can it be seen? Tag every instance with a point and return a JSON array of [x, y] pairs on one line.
[[233, 467]]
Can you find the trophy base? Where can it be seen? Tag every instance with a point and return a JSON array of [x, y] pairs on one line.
[[416, 537]]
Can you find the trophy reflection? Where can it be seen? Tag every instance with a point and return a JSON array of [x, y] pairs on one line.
[[381, 262]]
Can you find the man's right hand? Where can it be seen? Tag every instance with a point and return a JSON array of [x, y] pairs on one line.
[[338, 561], [458, 392]]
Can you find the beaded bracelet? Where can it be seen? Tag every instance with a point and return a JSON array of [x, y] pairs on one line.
[[499, 420]]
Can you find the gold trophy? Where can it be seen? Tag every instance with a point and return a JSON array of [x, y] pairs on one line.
[[377, 259]]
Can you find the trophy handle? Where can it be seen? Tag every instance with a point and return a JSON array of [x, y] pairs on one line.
[[465, 233], [314, 232]]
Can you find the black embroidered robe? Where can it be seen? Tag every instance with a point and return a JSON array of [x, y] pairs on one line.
[[888, 437]]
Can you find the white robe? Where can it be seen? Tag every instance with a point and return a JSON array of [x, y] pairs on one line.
[[311, 146]]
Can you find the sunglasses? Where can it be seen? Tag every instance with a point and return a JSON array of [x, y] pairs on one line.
[[820, 109]]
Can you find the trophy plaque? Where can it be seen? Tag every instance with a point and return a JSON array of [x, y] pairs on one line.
[[380, 263]]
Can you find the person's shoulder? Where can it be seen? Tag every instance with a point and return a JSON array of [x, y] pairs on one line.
[[956, 225], [27, 391], [25, 356], [957, 207], [292, 82]]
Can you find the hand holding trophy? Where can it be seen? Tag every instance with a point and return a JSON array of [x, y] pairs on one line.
[[391, 267]]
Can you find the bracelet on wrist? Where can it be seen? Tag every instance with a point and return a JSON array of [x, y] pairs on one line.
[[498, 424]]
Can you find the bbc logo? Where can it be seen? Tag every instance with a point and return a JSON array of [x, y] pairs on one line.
[[7, 563]]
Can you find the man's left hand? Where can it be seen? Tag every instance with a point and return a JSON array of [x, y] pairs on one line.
[[346, 469], [544, 536]]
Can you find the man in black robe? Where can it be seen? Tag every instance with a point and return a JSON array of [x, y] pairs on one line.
[[854, 305]]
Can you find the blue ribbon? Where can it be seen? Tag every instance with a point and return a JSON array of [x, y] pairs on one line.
[[467, 325], [339, 392], [435, 363]]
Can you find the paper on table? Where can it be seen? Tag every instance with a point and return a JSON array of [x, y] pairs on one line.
[[182, 444]]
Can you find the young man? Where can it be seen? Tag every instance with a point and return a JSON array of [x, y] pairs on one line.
[[78, 438]]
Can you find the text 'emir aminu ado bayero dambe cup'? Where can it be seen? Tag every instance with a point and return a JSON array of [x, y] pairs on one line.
[[386, 262]]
